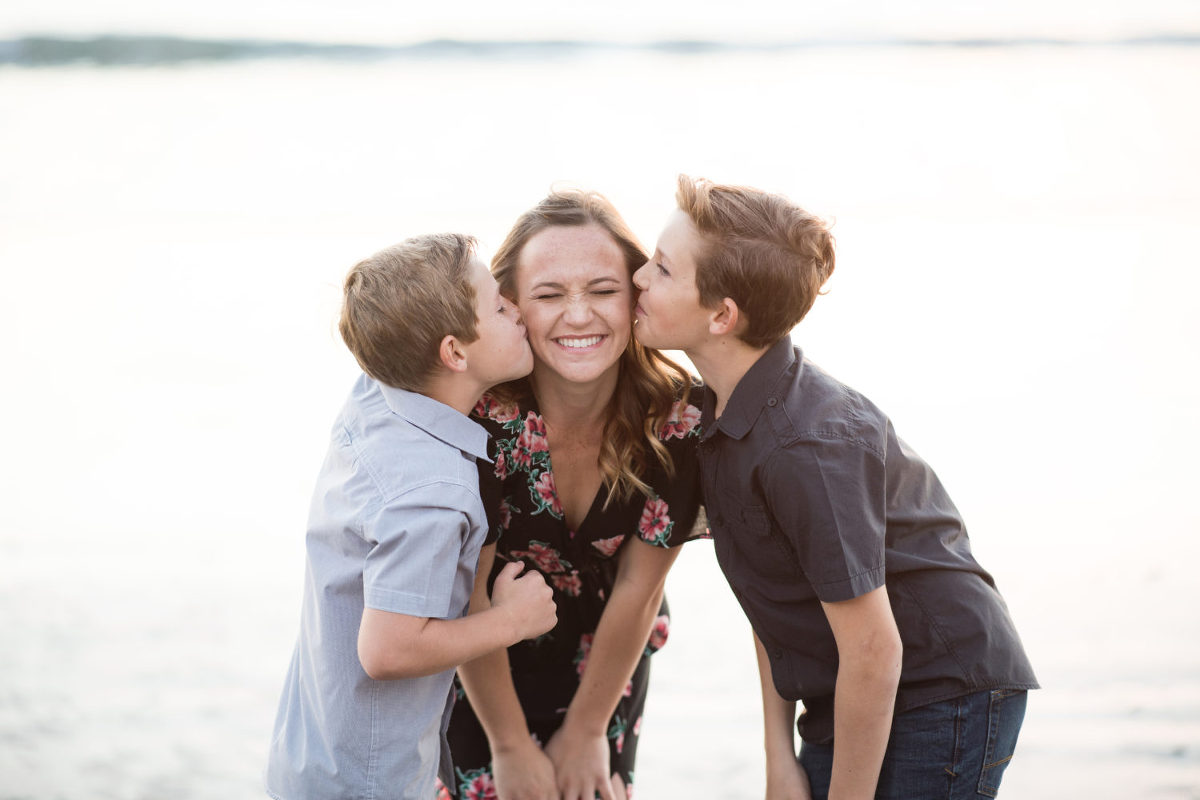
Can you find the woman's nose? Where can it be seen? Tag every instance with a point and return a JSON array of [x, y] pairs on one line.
[[579, 309]]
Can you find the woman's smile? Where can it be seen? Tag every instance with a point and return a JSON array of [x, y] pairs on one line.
[[579, 342]]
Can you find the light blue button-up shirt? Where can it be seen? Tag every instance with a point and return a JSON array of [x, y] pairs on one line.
[[396, 524]]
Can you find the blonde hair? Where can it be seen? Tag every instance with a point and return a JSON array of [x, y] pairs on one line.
[[762, 251], [648, 383], [401, 302]]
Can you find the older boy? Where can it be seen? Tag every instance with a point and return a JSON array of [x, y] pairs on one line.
[[395, 530], [848, 557]]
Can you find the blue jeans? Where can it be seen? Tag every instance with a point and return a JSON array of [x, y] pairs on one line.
[[952, 750]]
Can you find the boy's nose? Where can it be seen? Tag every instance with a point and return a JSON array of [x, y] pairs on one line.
[[637, 275]]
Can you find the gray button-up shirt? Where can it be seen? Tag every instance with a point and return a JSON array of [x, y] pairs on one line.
[[812, 498], [396, 524]]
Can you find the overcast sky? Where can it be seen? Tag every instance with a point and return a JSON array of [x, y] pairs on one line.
[[399, 21]]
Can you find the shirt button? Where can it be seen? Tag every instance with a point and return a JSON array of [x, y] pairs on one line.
[[772, 401], [777, 653]]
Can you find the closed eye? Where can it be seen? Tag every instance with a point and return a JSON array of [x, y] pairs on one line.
[[661, 268]]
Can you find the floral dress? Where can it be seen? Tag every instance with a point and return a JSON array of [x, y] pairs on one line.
[[581, 566]]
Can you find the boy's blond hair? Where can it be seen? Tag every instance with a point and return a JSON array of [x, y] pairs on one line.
[[401, 302], [765, 253]]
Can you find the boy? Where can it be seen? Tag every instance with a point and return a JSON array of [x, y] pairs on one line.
[[395, 530], [842, 547]]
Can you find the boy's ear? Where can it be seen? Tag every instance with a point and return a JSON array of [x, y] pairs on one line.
[[725, 318], [452, 354]]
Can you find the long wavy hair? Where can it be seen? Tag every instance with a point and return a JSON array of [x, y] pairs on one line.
[[648, 383]]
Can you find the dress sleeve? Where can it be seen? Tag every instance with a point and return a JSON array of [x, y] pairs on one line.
[[670, 511], [491, 474], [828, 500], [416, 542]]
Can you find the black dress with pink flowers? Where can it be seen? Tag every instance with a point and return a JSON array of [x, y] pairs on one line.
[[581, 565]]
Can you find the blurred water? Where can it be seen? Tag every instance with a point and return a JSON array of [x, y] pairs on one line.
[[1016, 286]]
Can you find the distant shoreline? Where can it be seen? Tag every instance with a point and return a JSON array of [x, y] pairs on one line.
[[126, 50]]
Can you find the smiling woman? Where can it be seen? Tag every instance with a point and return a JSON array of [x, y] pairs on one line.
[[595, 454], [575, 297]]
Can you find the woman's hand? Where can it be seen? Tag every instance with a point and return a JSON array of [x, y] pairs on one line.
[[524, 773], [581, 764], [787, 780]]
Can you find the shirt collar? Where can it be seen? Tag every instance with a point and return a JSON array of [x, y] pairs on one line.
[[438, 420], [751, 393]]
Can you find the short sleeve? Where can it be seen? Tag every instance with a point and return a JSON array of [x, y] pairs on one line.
[[829, 499], [498, 419], [491, 491], [670, 511], [417, 541]]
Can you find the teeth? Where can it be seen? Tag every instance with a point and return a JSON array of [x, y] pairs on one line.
[[585, 341]]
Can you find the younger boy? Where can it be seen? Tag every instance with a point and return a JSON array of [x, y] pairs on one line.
[[395, 530], [848, 557]]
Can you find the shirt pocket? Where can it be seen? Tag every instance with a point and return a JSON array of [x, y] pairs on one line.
[[769, 556]]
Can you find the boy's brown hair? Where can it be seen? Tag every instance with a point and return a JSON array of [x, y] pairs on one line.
[[765, 253], [401, 302]]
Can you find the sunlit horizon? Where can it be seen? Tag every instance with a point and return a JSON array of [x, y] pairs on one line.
[[752, 22]]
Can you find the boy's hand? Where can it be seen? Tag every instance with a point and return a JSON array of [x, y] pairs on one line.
[[528, 601], [787, 782]]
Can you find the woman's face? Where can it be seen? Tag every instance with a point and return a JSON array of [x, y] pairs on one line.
[[576, 298]]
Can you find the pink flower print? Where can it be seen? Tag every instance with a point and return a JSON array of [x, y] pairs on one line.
[[501, 469], [680, 422], [568, 584], [608, 546], [480, 787], [442, 793], [637, 727], [544, 556], [493, 409], [531, 441], [506, 512], [547, 495], [628, 690], [617, 732], [660, 631], [656, 524], [629, 791], [581, 656]]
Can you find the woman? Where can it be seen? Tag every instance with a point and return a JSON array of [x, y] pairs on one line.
[[595, 454]]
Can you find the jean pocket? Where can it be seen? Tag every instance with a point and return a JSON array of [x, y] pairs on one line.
[[1006, 712]]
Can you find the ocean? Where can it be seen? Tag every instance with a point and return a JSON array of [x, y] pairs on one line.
[[1018, 229]]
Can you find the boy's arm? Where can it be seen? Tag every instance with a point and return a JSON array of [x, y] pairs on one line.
[[785, 777], [519, 767], [869, 659], [392, 646], [579, 748]]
